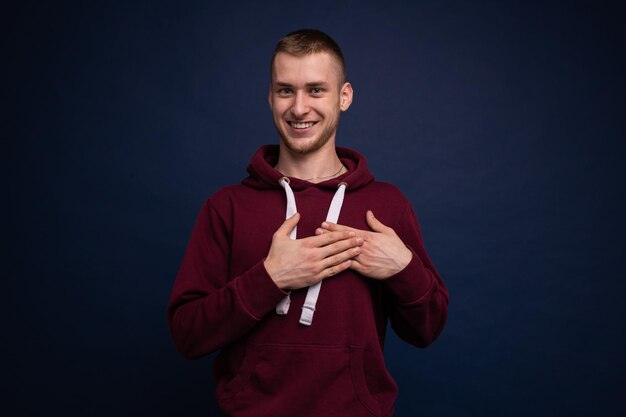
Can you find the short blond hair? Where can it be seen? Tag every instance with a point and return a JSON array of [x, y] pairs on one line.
[[310, 41]]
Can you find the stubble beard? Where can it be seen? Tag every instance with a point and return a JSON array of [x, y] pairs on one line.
[[310, 147]]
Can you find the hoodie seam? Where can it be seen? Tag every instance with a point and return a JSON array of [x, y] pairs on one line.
[[243, 304], [222, 222]]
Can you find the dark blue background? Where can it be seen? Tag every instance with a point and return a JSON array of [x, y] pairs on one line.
[[503, 122]]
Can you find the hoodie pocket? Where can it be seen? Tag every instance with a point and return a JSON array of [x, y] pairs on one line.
[[303, 380], [226, 390]]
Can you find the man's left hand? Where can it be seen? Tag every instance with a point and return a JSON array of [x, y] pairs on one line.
[[382, 253]]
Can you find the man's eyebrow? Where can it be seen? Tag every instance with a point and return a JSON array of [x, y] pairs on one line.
[[309, 84], [317, 84]]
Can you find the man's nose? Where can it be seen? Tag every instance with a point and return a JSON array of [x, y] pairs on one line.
[[300, 105]]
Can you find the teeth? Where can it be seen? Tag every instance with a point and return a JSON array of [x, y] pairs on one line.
[[301, 125]]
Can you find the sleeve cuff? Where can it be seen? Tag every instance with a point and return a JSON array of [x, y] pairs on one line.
[[257, 292], [412, 283]]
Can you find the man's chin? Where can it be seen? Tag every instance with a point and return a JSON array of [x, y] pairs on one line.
[[303, 145]]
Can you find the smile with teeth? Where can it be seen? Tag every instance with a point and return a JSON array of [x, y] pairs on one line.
[[301, 125]]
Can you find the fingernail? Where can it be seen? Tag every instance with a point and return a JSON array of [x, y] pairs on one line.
[[351, 234], [324, 225], [359, 240]]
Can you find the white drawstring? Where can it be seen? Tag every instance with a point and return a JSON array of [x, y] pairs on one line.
[[283, 306], [308, 309]]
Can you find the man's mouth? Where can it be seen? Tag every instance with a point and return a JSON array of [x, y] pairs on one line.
[[301, 125]]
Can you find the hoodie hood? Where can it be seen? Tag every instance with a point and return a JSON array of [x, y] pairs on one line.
[[263, 175]]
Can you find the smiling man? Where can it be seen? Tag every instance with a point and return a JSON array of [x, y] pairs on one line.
[[306, 96], [293, 274]]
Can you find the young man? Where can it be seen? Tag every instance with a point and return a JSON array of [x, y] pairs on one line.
[[294, 273]]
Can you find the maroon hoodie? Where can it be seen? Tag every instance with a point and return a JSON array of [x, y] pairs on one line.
[[270, 364]]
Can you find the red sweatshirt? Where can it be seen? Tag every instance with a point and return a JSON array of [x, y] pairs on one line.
[[270, 364]]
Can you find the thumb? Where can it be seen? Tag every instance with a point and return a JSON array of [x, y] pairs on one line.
[[374, 223], [288, 225]]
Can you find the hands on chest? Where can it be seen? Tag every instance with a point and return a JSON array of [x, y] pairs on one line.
[[292, 264]]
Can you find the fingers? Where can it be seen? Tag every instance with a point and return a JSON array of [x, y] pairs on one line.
[[336, 269], [334, 252], [340, 255], [333, 227], [340, 258], [371, 220], [329, 238], [374, 223], [345, 245], [288, 225]]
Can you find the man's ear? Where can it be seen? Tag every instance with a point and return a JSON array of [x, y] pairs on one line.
[[269, 96], [345, 96]]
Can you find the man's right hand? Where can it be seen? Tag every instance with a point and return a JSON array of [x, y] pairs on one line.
[[299, 263]]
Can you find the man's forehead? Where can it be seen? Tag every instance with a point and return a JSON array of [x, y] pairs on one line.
[[319, 66]]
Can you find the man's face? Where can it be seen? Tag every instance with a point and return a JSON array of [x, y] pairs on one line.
[[306, 98]]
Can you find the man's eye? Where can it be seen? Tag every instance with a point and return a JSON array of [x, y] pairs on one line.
[[316, 90], [284, 91]]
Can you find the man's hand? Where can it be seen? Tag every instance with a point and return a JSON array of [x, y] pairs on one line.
[[382, 253], [294, 264]]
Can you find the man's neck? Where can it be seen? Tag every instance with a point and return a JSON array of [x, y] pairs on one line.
[[315, 167]]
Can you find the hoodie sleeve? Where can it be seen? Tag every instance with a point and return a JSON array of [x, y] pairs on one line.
[[417, 296], [208, 309]]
